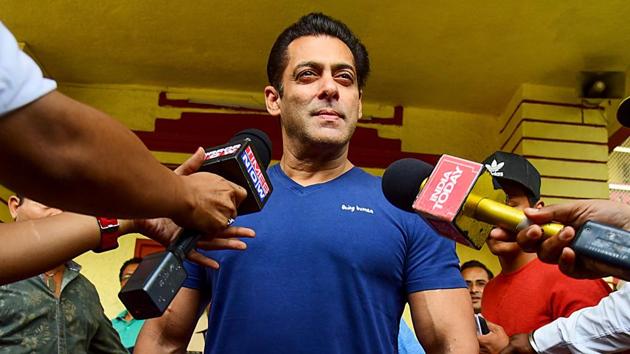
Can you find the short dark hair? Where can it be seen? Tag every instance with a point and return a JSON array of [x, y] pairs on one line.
[[476, 264], [134, 260], [315, 24]]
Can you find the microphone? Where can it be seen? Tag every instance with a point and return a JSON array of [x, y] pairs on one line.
[[457, 198], [243, 161]]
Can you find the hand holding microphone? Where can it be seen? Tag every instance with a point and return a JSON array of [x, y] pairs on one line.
[[557, 248], [243, 161], [456, 197], [220, 198], [457, 200], [166, 232]]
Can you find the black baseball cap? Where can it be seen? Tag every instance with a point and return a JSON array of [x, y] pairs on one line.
[[513, 167]]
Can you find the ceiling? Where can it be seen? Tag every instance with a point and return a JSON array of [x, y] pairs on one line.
[[452, 55]]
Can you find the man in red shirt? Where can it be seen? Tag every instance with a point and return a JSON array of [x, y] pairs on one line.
[[527, 294]]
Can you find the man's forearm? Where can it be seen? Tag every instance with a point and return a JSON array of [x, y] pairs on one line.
[[32, 247], [57, 146], [171, 332], [35, 246]]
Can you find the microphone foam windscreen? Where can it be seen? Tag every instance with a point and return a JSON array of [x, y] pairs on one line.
[[402, 180], [260, 141], [623, 112]]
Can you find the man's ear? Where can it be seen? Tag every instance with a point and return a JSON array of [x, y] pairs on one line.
[[272, 100], [539, 204], [13, 203]]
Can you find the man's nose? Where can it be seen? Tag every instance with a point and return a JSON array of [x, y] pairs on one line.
[[329, 89]]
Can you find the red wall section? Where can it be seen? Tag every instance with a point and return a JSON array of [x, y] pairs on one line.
[[205, 129]]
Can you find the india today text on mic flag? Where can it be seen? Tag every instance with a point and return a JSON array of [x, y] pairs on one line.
[[443, 197]]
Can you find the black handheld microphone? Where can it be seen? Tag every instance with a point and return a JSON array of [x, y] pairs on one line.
[[243, 161], [406, 182]]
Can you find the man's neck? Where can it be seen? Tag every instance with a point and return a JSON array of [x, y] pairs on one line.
[[55, 277], [512, 263], [312, 167], [57, 270]]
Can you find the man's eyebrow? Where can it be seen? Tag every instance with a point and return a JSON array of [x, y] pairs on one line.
[[340, 66], [310, 64], [317, 65]]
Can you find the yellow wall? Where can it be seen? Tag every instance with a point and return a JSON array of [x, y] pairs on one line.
[[102, 270]]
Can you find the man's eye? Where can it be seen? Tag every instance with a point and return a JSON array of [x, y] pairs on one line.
[[306, 73], [345, 78]]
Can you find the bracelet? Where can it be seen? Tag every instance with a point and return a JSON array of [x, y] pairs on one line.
[[532, 342], [109, 234]]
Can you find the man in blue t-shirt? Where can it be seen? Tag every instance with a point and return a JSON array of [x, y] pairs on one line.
[[333, 263]]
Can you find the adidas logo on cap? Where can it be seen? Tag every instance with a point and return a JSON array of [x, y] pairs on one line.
[[494, 168]]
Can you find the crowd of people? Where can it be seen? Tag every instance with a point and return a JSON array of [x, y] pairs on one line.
[[316, 278]]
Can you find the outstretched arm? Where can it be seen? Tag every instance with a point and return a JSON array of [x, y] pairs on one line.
[[555, 249], [74, 157], [34, 246], [37, 245]]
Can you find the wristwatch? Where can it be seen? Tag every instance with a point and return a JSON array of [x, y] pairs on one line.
[[109, 234]]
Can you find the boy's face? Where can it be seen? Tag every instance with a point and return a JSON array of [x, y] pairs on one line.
[[517, 197]]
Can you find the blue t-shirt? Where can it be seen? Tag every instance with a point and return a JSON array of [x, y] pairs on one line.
[[328, 272]]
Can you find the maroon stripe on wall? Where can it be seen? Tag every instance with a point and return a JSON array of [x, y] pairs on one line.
[[575, 178], [164, 101], [546, 122], [583, 107], [556, 141], [196, 129], [618, 138], [562, 159], [566, 197], [397, 119]]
